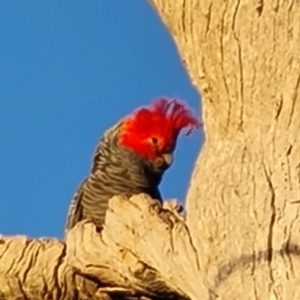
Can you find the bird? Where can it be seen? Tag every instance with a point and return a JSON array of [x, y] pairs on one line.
[[131, 158]]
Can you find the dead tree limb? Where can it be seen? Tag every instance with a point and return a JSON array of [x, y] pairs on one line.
[[142, 250]]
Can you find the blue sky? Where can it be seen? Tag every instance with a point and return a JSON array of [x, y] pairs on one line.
[[69, 70]]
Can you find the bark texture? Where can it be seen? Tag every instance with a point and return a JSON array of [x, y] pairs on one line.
[[244, 58], [241, 236], [143, 250]]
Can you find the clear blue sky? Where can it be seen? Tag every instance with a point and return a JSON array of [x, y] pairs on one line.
[[69, 70]]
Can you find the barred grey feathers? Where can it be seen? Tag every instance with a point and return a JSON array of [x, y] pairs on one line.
[[115, 170]]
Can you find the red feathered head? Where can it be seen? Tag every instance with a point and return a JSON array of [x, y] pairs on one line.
[[153, 130]]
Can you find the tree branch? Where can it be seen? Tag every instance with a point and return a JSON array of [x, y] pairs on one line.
[[142, 250]]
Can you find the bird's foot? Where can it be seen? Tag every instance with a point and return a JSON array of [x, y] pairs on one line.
[[175, 207]]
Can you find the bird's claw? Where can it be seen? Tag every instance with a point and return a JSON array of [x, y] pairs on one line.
[[175, 207]]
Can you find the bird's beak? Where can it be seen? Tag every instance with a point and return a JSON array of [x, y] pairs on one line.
[[168, 158]]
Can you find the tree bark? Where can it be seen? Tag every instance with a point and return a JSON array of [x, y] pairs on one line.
[[143, 250], [241, 235], [244, 57]]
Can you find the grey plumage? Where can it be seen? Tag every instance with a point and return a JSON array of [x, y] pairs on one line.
[[131, 158], [115, 170]]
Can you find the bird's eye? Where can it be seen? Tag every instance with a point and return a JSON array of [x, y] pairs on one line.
[[154, 140]]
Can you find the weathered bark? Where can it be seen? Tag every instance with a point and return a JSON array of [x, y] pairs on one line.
[[241, 238], [244, 56], [143, 250]]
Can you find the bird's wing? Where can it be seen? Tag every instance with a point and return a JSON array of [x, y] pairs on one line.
[[75, 209]]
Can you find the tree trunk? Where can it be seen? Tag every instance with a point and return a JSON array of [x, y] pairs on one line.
[[240, 239], [244, 56]]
